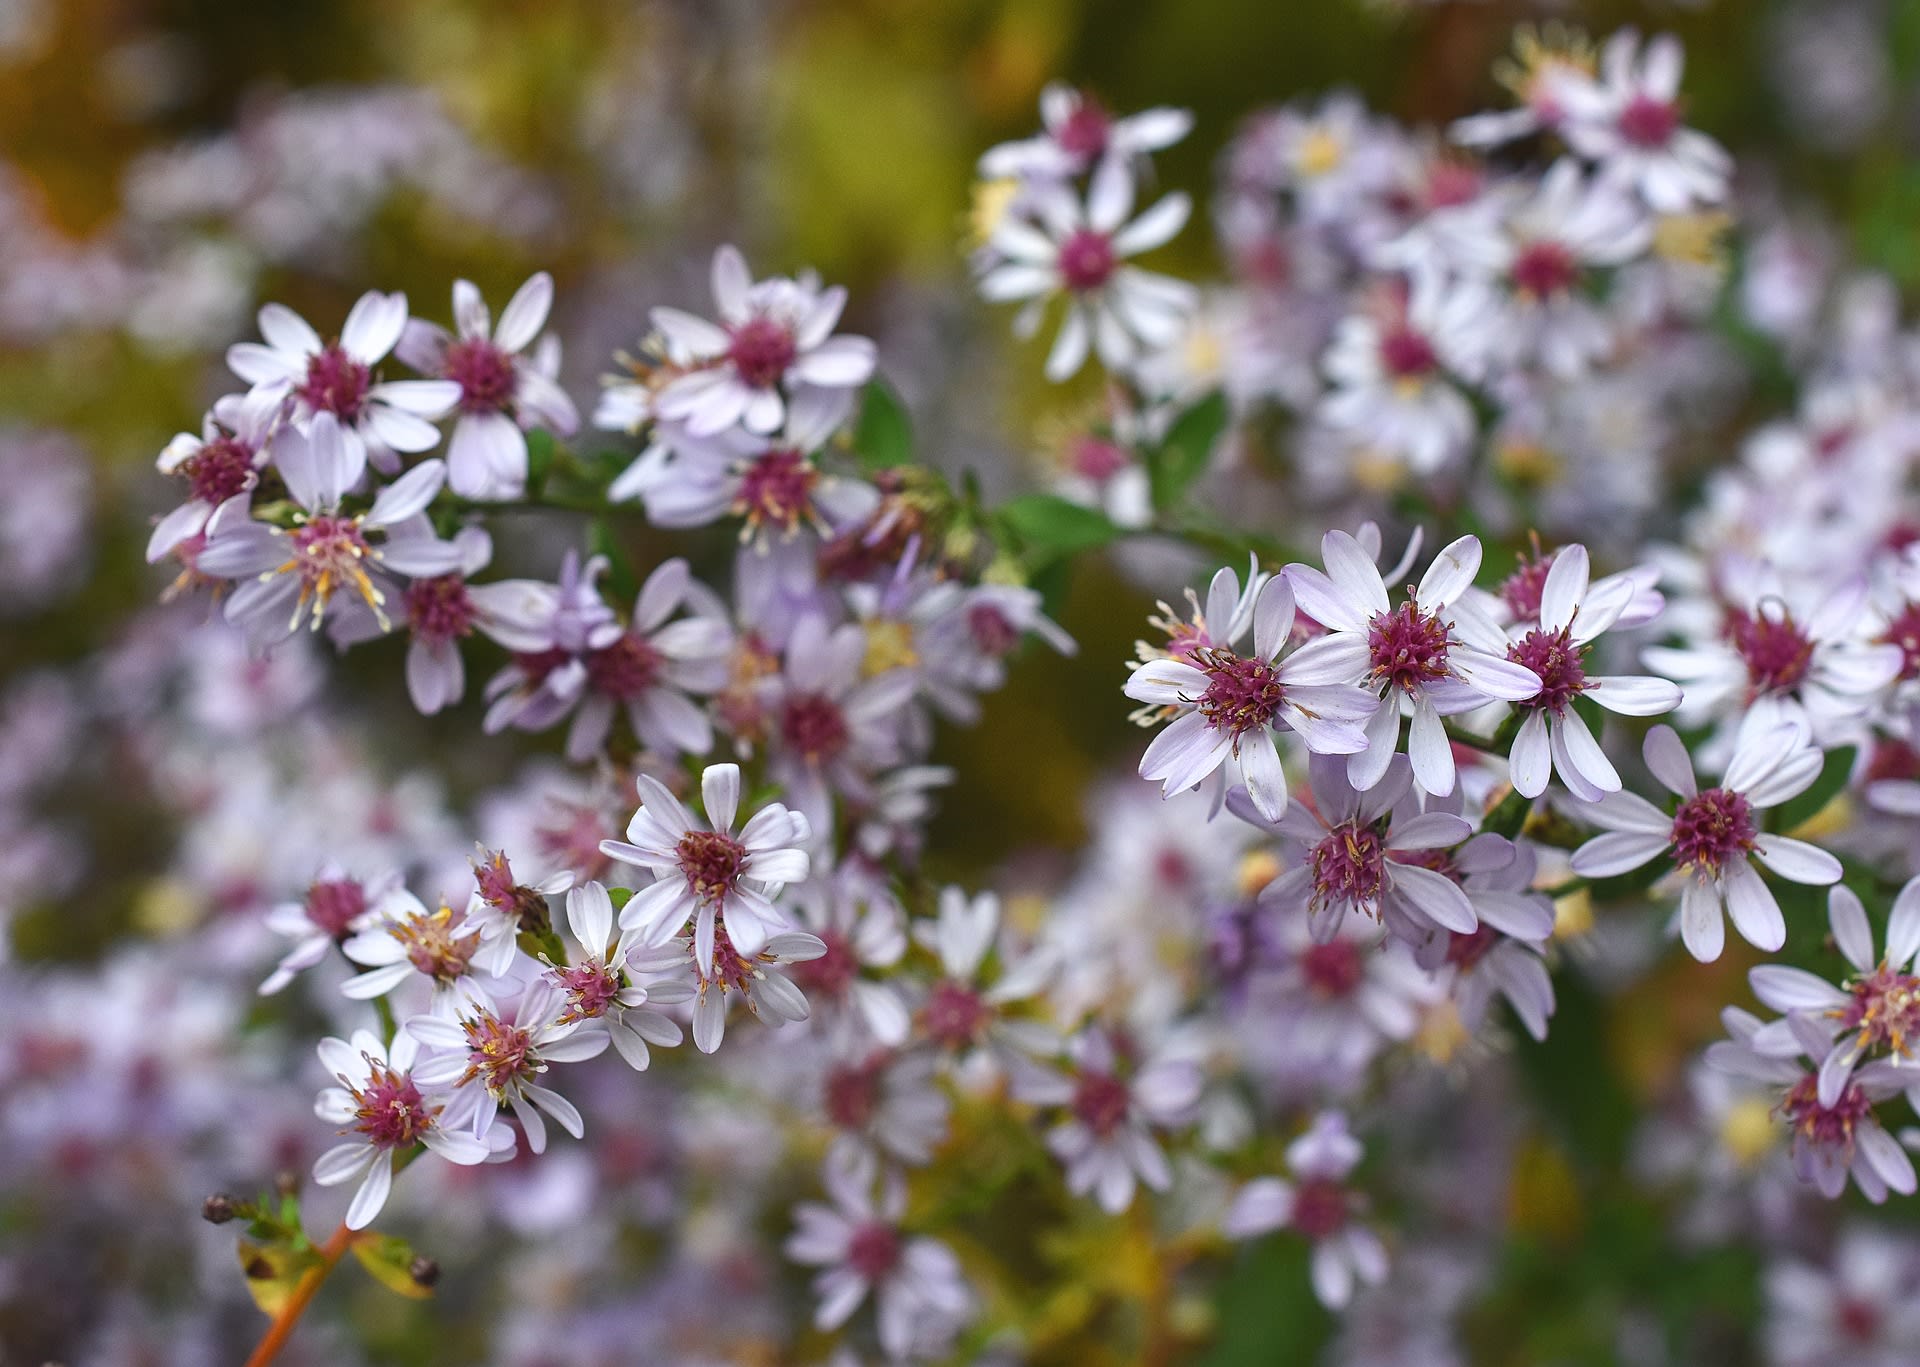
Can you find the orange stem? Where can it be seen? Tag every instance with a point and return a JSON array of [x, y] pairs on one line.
[[282, 1327]]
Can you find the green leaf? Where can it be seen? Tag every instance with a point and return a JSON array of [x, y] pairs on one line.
[[540, 452], [1507, 818], [1177, 462], [390, 1259], [619, 897], [1049, 527], [1833, 777], [621, 579], [883, 436]]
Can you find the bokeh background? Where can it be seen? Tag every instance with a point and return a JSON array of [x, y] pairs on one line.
[[165, 167]]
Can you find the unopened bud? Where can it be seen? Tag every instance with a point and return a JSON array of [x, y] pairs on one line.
[[424, 1271], [287, 1183], [218, 1208]]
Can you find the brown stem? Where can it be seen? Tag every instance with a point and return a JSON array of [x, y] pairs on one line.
[[282, 1327]]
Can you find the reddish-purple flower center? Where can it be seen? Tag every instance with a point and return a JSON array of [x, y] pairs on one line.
[[832, 973], [1712, 830], [1086, 260], [331, 551], [498, 1054], [334, 904], [1777, 652], [992, 632], [761, 351], [1560, 664], [1085, 132], [1858, 1320], [484, 373], [1884, 1010], [626, 669], [336, 384], [439, 609], [1647, 122], [711, 862], [389, 1110], [431, 945], [1095, 459], [1522, 589], [1242, 694], [872, 1250], [1319, 1207], [814, 725], [853, 1091], [777, 489], [1349, 865], [219, 470], [1100, 1100], [1829, 1127], [1464, 951], [953, 1014], [1544, 269], [1334, 969], [590, 988], [1407, 355], [1408, 647], [1904, 631]]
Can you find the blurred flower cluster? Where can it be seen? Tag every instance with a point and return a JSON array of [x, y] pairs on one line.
[[513, 861]]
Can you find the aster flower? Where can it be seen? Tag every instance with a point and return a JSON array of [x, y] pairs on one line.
[[311, 377], [222, 463], [1714, 835], [1350, 836], [1573, 612], [755, 979], [860, 922], [1077, 251], [706, 873], [564, 621], [597, 984], [406, 939], [502, 907], [1320, 1204], [1629, 122], [333, 910], [964, 1009], [772, 348], [885, 1101], [1502, 958], [1230, 705], [1432, 651], [1855, 1307], [379, 1100], [294, 574], [1829, 1141], [1875, 1010], [1079, 134], [1113, 1104], [504, 388], [1545, 62], [859, 1245], [487, 1049]]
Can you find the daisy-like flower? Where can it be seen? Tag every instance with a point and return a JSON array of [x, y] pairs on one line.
[[1877, 1010], [294, 574], [504, 388], [1321, 1205], [1573, 612], [886, 1101], [1714, 835], [333, 910], [1829, 1141], [380, 1101], [859, 1245], [407, 939], [1080, 134], [755, 979], [857, 918], [222, 463], [1113, 1105], [1078, 251], [1857, 1307], [1629, 122], [597, 984], [1351, 837], [565, 621], [499, 1052], [295, 369], [1227, 706], [1503, 957], [964, 1010], [773, 349], [705, 872], [1432, 652], [502, 908], [1544, 62]]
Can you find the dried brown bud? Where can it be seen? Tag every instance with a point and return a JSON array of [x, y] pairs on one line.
[[424, 1271], [218, 1208]]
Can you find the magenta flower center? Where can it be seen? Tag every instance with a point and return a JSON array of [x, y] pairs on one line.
[[731, 969], [814, 725], [1464, 951], [1829, 1127], [992, 632], [1859, 1320], [1450, 184], [498, 1054], [334, 904], [1544, 269], [1408, 647], [1086, 260], [1647, 122], [1332, 970], [711, 862], [761, 351], [389, 1110], [626, 669], [1560, 664], [1884, 1009], [1101, 1101], [853, 1091], [1522, 589], [219, 470], [439, 609], [1242, 694], [777, 489], [832, 973], [953, 1015], [590, 987], [1095, 459], [1349, 865], [872, 1250], [431, 945], [1712, 831], [1777, 652], [484, 373], [1085, 132], [329, 552], [1319, 1207], [336, 384], [1904, 631], [1407, 355]]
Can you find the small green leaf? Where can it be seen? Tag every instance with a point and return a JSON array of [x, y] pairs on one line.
[[390, 1259], [1049, 527], [619, 897], [1510, 815], [272, 1271], [1177, 462], [1833, 777], [883, 436], [540, 453]]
